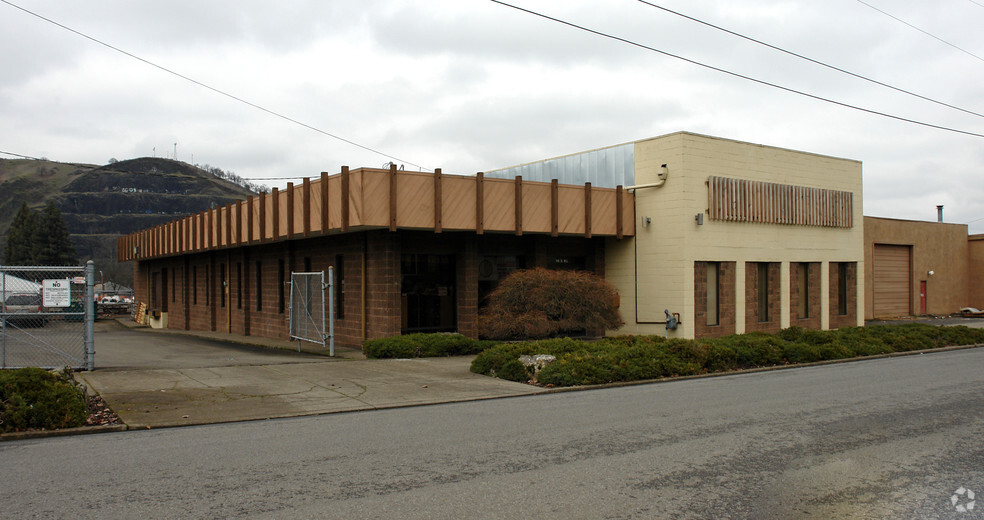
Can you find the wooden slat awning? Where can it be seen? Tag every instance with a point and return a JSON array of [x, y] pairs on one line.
[[369, 198], [740, 200]]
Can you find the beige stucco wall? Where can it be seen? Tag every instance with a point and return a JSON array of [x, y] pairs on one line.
[[938, 247], [668, 247]]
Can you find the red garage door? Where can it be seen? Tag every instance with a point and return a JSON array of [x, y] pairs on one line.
[[892, 281]]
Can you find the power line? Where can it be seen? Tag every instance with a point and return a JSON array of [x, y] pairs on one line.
[[976, 2], [811, 60], [213, 89], [735, 74], [931, 35]]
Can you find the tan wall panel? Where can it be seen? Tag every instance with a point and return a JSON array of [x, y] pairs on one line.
[[316, 205], [335, 202], [414, 200], [500, 205], [570, 209], [282, 214], [298, 209], [373, 199], [536, 208], [603, 213], [458, 194]]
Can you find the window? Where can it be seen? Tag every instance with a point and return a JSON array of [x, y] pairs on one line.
[[239, 285], [307, 264], [842, 288], [281, 274], [339, 286], [803, 283], [713, 293], [222, 285], [763, 291], [259, 285]]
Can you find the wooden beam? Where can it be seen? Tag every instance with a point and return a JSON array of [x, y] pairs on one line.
[[392, 199], [438, 201], [275, 214], [306, 206], [480, 203], [587, 210], [228, 225], [250, 237], [554, 210], [262, 202], [325, 220], [518, 187], [290, 210], [345, 199]]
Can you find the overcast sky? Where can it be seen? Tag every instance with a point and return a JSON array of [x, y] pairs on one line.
[[470, 85]]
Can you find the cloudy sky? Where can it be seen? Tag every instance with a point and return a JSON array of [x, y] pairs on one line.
[[471, 85]]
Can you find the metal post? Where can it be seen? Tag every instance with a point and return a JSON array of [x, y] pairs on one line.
[[331, 311], [90, 316], [3, 323]]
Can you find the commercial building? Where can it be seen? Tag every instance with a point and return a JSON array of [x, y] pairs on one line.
[[723, 236]]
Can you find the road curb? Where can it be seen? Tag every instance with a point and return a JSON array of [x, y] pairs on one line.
[[81, 430]]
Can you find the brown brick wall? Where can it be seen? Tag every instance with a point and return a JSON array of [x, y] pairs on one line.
[[726, 292], [850, 319], [813, 277], [383, 306], [754, 322]]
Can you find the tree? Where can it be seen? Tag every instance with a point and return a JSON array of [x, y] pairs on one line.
[[20, 247], [39, 239], [540, 303], [53, 245]]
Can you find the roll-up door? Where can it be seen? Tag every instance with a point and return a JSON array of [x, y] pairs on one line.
[[892, 281]]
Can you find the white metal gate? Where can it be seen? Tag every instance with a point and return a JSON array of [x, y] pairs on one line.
[[310, 319], [47, 316]]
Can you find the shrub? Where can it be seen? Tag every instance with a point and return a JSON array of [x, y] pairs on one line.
[[31, 398], [540, 303], [423, 345]]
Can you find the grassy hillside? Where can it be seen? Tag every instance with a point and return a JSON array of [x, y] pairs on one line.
[[101, 203]]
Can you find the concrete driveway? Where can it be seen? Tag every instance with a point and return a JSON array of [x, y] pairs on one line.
[[157, 379]]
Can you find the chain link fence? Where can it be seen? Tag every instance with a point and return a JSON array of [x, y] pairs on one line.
[[310, 320], [46, 317]]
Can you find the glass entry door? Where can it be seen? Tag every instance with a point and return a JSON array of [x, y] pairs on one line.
[[427, 285]]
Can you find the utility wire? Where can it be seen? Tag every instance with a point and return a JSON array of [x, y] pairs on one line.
[[976, 2], [811, 60], [735, 74], [931, 35], [213, 89]]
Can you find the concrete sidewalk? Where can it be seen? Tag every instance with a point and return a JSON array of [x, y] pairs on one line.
[[153, 379]]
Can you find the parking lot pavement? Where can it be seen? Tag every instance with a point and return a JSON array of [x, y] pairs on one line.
[[153, 379]]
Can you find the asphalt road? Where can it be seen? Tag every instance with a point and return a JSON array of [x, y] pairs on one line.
[[886, 438]]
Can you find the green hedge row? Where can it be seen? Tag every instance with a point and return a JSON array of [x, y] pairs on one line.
[[633, 358], [424, 345], [31, 398]]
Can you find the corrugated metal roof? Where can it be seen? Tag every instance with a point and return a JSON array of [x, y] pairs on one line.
[[603, 168]]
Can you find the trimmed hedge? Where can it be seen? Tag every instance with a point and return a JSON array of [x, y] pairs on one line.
[[633, 358], [31, 398], [424, 345]]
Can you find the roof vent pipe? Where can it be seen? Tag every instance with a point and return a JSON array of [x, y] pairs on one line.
[[939, 213]]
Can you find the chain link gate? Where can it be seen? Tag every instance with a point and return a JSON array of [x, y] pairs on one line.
[[309, 316], [47, 317]]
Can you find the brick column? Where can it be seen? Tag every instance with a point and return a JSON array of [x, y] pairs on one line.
[[467, 287], [384, 304]]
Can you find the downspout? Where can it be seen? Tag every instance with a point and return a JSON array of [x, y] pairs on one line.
[[635, 243], [365, 253]]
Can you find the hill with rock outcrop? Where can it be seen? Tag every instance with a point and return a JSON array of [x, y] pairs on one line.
[[101, 203]]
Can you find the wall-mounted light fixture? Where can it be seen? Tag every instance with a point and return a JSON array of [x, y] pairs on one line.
[[646, 221], [931, 272], [699, 218]]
